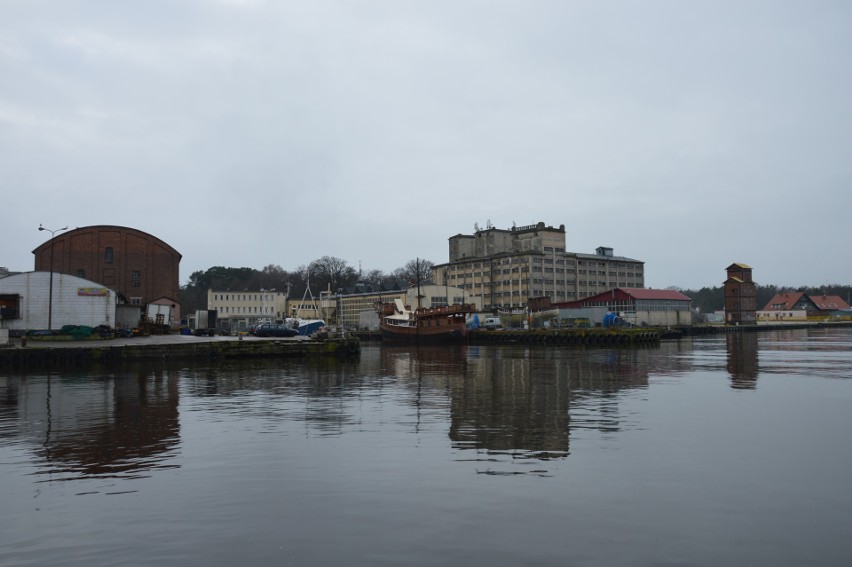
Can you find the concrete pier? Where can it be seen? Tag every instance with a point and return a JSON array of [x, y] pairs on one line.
[[47, 354], [579, 337]]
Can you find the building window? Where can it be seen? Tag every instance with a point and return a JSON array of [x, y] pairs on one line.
[[108, 255], [10, 306], [81, 273], [108, 277], [135, 278], [135, 301]]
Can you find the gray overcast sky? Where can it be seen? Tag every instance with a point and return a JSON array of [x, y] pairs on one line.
[[685, 134]]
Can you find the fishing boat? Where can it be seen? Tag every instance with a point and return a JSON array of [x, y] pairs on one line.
[[306, 319], [399, 323], [305, 327]]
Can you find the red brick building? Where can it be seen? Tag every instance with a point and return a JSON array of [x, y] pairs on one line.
[[740, 296], [139, 266]]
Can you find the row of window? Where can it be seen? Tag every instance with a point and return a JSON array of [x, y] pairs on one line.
[[513, 293], [626, 306], [242, 297], [525, 269], [227, 310]]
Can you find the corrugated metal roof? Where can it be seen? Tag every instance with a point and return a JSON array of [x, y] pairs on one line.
[[656, 294]]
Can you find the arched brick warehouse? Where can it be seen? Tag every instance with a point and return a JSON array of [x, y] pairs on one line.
[[138, 265]]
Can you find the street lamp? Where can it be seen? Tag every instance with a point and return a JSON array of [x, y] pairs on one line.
[[50, 293]]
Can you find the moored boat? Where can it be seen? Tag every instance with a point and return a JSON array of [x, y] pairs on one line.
[[305, 327], [425, 324]]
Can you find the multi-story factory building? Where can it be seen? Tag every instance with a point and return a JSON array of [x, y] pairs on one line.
[[506, 268]]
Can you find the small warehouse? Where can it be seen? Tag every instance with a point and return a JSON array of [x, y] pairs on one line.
[[26, 302], [640, 306]]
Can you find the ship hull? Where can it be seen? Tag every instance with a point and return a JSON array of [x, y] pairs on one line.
[[420, 335]]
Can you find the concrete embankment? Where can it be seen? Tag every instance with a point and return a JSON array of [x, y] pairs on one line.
[[698, 330], [73, 353], [579, 337]]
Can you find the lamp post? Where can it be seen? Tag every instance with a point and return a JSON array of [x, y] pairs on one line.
[[50, 292]]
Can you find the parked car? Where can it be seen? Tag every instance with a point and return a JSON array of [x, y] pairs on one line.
[[272, 330]]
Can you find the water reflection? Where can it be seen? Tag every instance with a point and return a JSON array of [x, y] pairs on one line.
[[413, 456], [742, 360], [523, 403], [822, 350], [317, 393], [519, 402], [526, 401], [78, 425]]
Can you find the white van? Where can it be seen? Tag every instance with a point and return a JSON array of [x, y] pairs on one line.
[[492, 323]]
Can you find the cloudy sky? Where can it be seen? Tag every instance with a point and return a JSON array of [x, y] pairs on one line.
[[686, 134]]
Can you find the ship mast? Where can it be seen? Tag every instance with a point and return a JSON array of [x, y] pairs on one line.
[[417, 267]]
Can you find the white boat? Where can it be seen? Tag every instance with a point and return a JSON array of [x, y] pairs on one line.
[[305, 327]]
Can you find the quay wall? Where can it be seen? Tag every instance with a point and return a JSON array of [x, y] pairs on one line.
[[614, 336], [698, 330], [579, 337], [102, 352]]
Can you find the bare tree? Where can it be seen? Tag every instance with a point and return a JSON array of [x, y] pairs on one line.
[[375, 278], [331, 273], [274, 277], [297, 281], [414, 272]]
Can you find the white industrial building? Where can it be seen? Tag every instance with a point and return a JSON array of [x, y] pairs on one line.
[[654, 307], [25, 301]]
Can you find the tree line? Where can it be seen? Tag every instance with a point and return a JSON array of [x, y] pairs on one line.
[[709, 299], [326, 273]]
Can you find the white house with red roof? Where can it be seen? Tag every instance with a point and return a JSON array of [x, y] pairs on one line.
[[799, 306], [639, 306]]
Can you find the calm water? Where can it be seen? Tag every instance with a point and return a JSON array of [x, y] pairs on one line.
[[719, 451]]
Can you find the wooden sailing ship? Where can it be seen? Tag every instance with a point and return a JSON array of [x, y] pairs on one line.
[[425, 324]]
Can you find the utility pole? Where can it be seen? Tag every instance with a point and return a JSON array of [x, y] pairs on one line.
[[50, 292]]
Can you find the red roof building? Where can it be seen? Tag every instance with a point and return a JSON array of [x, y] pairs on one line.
[[788, 302], [640, 306], [829, 303], [813, 305]]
